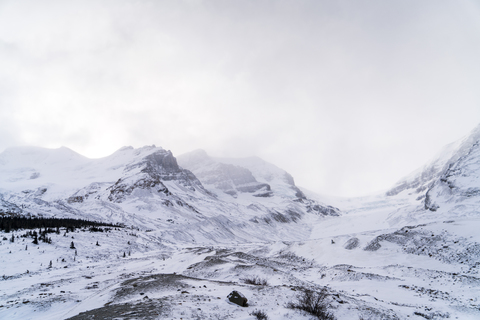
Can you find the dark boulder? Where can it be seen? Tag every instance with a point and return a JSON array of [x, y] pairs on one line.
[[238, 298]]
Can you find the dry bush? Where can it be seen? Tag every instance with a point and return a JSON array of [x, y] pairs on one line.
[[256, 281], [313, 303], [259, 315]]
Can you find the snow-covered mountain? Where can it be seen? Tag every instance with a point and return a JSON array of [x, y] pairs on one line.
[[248, 180], [201, 227], [147, 188], [448, 186]]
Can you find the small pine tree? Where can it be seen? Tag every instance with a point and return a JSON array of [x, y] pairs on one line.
[[124, 254], [97, 244], [75, 252], [26, 247], [72, 246], [12, 239], [50, 265]]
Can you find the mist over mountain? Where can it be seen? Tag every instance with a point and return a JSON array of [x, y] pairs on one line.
[[181, 232]]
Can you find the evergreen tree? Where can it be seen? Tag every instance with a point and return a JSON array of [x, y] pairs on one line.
[[35, 239], [72, 246], [42, 235]]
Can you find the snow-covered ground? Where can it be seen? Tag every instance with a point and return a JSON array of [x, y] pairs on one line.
[[428, 271]]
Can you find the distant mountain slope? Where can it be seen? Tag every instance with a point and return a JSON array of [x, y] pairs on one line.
[[222, 177], [450, 184], [146, 188], [248, 180]]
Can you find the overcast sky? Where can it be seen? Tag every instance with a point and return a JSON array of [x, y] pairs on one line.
[[347, 96]]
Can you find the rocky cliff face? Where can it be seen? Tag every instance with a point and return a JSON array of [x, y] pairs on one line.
[[223, 177], [150, 173]]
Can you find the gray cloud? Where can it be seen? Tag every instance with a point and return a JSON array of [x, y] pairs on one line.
[[347, 96]]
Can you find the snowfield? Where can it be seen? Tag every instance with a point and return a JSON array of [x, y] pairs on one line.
[[410, 275], [192, 233]]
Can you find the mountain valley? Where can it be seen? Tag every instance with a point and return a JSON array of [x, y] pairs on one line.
[[186, 231]]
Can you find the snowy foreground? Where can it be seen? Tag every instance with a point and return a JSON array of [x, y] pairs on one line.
[[417, 272], [193, 231]]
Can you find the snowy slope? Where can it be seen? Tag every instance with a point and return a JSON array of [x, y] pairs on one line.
[[446, 188], [422, 179]]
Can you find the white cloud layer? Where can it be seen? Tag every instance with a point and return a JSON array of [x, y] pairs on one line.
[[348, 96]]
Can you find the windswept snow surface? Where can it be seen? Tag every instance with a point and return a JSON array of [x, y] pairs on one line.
[[409, 254]]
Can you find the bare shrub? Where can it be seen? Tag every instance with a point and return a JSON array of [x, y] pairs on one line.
[[313, 303], [259, 315], [256, 281]]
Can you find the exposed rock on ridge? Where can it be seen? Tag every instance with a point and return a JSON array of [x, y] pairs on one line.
[[228, 178], [252, 178]]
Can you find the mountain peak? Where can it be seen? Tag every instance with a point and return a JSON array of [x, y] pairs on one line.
[[31, 156], [125, 148]]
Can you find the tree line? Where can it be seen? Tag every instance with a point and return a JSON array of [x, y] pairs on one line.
[[8, 224]]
